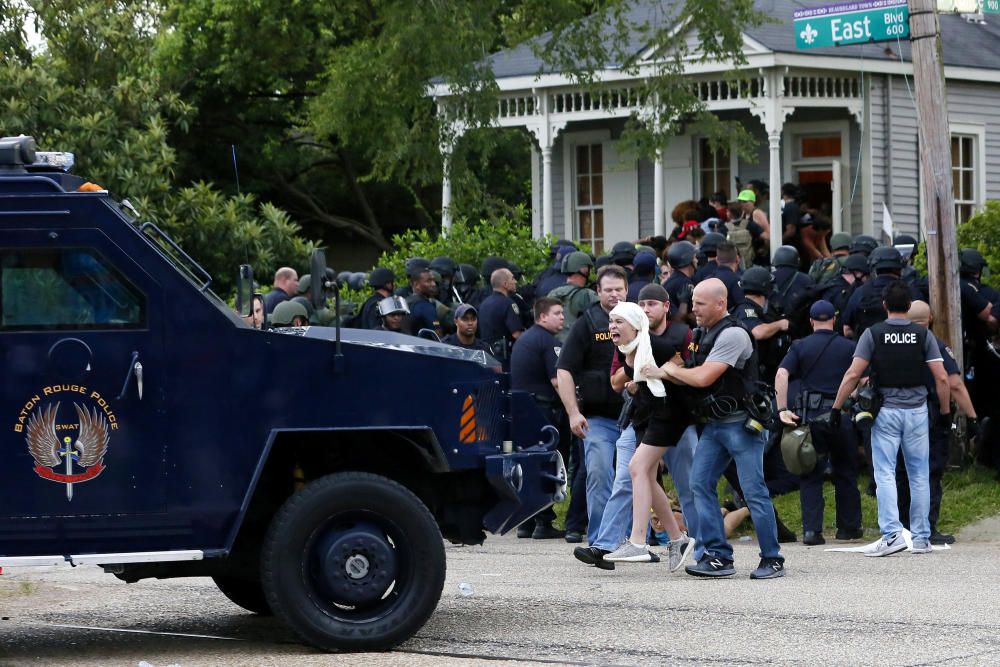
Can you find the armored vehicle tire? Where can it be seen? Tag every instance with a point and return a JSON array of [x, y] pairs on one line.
[[244, 593], [353, 561]]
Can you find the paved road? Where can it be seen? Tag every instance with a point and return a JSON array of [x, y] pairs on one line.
[[532, 603]]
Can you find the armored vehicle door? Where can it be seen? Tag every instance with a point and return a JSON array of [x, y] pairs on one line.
[[82, 397]]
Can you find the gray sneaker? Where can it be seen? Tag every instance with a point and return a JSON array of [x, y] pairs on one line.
[[629, 553], [678, 550], [921, 546], [888, 545]]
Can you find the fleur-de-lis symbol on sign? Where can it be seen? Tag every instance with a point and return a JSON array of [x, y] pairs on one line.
[[809, 35]]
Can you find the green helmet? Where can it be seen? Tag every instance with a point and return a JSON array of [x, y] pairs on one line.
[[575, 261], [797, 450], [840, 241], [286, 311], [305, 282]]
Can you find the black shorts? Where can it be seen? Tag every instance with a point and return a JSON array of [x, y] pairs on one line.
[[661, 430]]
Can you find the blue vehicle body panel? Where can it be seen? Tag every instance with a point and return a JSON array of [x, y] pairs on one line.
[[181, 462]]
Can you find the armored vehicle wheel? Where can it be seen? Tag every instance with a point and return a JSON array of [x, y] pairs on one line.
[[244, 593], [354, 561]]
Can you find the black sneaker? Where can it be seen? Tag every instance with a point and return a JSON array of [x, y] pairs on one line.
[[769, 568], [574, 536], [812, 538], [711, 566], [525, 530], [941, 538], [593, 556], [547, 531], [850, 533]]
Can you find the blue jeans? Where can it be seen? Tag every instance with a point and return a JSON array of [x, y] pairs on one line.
[[616, 522], [599, 457], [905, 428], [679, 460], [721, 443]]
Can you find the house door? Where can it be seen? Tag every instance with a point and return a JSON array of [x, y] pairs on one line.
[[821, 190]]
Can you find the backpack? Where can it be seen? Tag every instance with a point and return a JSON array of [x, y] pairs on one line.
[[870, 312], [825, 269], [566, 294], [739, 235]]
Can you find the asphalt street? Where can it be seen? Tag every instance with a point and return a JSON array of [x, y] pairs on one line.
[[532, 603]]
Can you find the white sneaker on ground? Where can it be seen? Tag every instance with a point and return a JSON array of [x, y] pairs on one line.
[[678, 550], [888, 545], [630, 553], [921, 546]]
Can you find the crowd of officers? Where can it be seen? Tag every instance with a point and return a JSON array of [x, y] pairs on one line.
[[778, 373]]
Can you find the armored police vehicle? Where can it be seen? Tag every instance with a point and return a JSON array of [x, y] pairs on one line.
[[311, 472]]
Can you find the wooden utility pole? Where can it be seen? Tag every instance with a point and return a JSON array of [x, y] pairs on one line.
[[937, 201]]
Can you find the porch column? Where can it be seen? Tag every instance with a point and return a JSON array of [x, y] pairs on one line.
[[547, 190], [774, 214], [446, 188], [659, 210]]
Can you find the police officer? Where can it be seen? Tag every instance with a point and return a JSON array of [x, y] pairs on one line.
[[423, 310], [643, 273], [721, 378], [383, 281], [466, 280], [466, 328], [709, 246], [791, 288], [289, 314], [825, 269], [445, 267], [852, 275], [818, 363], [863, 245], [897, 351], [865, 308], [392, 311], [756, 314], [533, 369], [585, 366], [623, 254], [414, 267], [499, 317], [728, 260], [574, 294], [553, 277], [681, 257], [488, 267]]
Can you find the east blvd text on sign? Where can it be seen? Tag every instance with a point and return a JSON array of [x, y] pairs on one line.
[[851, 23]]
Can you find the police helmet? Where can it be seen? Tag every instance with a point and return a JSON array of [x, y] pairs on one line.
[[904, 239], [797, 450], [391, 305], [645, 249], [840, 241], [466, 274], [305, 282], [415, 266], [357, 281], [970, 261], [603, 260], [516, 270], [623, 253], [885, 258], [863, 244], [381, 277], [757, 280], [711, 242], [575, 261], [343, 277], [304, 300], [561, 243], [681, 254], [286, 311], [856, 263], [443, 265], [491, 264], [786, 255]]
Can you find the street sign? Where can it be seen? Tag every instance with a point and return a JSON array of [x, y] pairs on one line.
[[991, 6], [853, 23]]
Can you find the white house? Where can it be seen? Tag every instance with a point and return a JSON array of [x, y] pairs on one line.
[[839, 121]]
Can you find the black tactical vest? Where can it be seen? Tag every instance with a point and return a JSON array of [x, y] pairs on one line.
[[734, 383], [898, 358]]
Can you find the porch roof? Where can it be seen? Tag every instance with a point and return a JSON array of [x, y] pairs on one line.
[[966, 45]]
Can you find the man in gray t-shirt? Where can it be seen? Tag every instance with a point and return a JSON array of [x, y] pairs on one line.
[[897, 349]]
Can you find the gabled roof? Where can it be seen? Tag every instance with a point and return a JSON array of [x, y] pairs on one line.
[[965, 44]]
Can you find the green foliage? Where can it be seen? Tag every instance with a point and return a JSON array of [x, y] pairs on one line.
[[982, 231], [471, 243]]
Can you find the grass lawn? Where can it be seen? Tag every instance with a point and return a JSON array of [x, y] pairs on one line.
[[970, 494]]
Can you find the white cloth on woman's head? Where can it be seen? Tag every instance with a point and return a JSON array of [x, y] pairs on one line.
[[635, 316]]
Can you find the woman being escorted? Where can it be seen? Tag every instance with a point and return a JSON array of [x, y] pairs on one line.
[[659, 422]]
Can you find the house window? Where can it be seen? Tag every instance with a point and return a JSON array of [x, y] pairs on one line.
[[963, 175], [590, 196], [714, 170]]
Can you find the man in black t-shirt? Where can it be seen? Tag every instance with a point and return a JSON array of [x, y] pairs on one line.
[[585, 367], [466, 326], [500, 318], [533, 369]]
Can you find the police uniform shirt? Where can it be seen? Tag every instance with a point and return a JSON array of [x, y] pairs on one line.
[[550, 282], [533, 362], [973, 303], [499, 317], [588, 351], [634, 287], [900, 397], [477, 344], [749, 314], [423, 314], [790, 286], [705, 272], [875, 285], [950, 367], [819, 361], [273, 298], [731, 279], [838, 293], [369, 317], [680, 288]]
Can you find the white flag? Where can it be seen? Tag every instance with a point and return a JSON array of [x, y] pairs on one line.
[[887, 222]]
